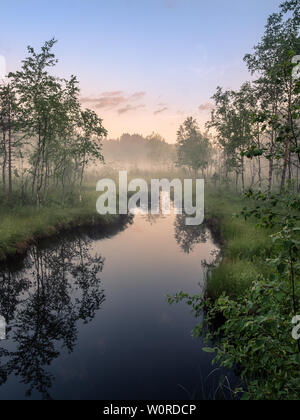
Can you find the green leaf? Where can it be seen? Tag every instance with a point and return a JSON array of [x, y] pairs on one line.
[[208, 350]]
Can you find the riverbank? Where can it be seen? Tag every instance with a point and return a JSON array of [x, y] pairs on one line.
[[21, 226], [245, 247], [258, 304]]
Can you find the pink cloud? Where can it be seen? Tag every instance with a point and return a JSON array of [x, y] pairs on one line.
[[113, 93], [208, 106], [161, 110], [113, 99], [137, 95], [129, 108]]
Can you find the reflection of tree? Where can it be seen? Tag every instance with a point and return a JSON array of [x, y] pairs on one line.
[[43, 312], [64, 288], [152, 218], [12, 284], [189, 236]]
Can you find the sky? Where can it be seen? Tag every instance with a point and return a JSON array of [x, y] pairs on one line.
[[143, 65]]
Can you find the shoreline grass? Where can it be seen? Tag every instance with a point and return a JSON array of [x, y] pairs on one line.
[[20, 227], [244, 246]]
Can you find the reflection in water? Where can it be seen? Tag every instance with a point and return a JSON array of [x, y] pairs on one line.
[[42, 313], [137, 347], [152, 218], [188, 237]]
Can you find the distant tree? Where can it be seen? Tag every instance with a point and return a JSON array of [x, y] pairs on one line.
[[193, 148], [89, 140], [137, 149], [133, 147], [158, 149], [232, 120]]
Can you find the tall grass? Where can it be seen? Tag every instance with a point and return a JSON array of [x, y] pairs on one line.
[[20, 225], [245, 247]]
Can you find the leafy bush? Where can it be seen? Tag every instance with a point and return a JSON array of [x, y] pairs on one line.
[[255, 332]]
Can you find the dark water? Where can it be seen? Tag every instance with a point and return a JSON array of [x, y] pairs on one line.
[[88, 318]]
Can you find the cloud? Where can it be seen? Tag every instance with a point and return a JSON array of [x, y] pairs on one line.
[[107, 100], [129, 108], [208, 106], [114, 99], [161, 110], [112, 93], [137, 95], [110, 102], [86, 99]]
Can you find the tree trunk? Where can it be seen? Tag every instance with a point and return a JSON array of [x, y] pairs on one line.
[[236, 181], [243, 174], [4, 162], [270, 180], [271, 163], [10, 187], [285, 164], [259, 163], [259, 174], [81, 179], [253, 174]]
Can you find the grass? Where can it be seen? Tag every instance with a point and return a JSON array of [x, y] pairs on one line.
[[245, 247], [20, 226]]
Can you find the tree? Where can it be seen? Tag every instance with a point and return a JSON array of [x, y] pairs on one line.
[[273, 61], [193, 148], [232, 121], [8, 123], [89, 140], [61, 137], [37, 92]]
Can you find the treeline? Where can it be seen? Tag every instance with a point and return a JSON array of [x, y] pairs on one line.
[[255, 289], [260, 121], [254, 131], [137, 149], [195, 150], [47, 139]]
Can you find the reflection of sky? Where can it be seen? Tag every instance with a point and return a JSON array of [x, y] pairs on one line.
[[2, 67], [2, 328], [136, 346], [162, 58], [150, 251]]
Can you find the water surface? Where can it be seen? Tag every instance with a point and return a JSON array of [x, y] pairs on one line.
[[88, 317]]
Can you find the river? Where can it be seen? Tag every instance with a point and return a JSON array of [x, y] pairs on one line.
[[87, 315]]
